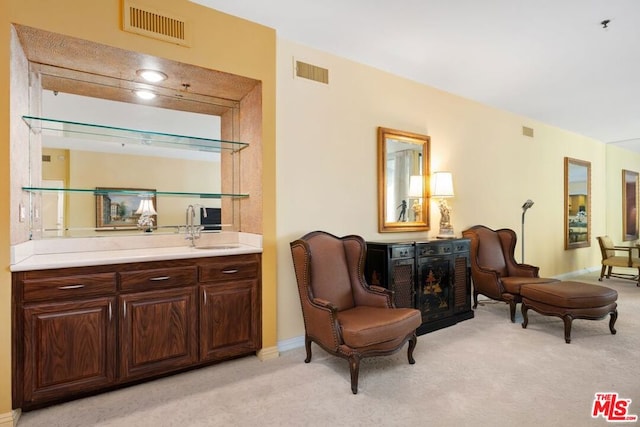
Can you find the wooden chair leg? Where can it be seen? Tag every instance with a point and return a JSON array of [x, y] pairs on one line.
[[475, 300], [412, 345], [512, 311], [354, 367], [307, 345], [525, 317], [602, 270]]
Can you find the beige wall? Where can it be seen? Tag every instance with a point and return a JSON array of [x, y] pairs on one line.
[[220, 42], [327, 173]]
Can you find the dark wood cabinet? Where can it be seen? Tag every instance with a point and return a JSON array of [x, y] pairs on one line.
[[88, 329], [229, 322], [68, 347], [432, 276], [157, 332]]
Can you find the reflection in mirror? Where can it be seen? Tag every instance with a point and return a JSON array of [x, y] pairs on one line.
[[85, 163], [577, 189], [403, 170], [629, 205]]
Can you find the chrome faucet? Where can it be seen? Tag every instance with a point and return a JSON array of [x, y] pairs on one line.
[[193, 231]]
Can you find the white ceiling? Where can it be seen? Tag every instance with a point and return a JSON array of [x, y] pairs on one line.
[[549, 60]]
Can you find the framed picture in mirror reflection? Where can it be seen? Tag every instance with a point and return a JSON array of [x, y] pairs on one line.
[[121, 208]]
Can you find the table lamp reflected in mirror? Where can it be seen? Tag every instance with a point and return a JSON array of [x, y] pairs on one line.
[[146, 212], [442, 190]]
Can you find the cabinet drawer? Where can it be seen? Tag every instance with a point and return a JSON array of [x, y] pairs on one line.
[[444, 248], [461, 246], [229, 268], [402, 252], [157, 278], [64, 287]]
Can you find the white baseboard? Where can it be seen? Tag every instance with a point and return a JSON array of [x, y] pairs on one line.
[[572, 274], [10, 419], [267, 353], [291, 343]]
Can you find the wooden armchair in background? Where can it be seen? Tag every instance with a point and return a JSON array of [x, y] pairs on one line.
[[610, 259]]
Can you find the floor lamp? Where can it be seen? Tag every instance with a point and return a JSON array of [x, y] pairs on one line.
[[526, 206]]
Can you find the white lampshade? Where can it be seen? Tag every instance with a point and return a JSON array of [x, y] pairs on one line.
[[415, 186], [146, 207], [442, 184]]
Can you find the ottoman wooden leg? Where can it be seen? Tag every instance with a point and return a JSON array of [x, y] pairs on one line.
[[612, 321], [567, 327]]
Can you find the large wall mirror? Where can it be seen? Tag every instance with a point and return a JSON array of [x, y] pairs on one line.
[[577, 203], [403, 177], [629, 205], [74, 81]]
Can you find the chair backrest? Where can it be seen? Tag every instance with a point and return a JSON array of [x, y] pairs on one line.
[[333, 263], [490, 248], [606, 247]]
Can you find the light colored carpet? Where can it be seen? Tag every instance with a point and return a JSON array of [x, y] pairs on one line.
[[485, 371]]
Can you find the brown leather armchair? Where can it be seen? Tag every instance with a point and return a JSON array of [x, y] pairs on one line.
[[611, 258], [494, 271], [342, 313]]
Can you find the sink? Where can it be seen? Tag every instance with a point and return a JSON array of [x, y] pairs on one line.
[[219, 246]]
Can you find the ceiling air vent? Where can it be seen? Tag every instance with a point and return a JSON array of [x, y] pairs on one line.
[[152, 23], [312, 72]]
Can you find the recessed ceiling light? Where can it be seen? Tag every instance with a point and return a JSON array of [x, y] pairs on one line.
[[145, 94], [152, 76]]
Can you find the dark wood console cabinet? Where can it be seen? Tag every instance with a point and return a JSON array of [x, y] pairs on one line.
[[433, 276], [83, 330]]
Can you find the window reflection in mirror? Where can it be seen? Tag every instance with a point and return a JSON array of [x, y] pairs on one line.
[[86, 163], [577, 186], [403, 171], [629, 205]]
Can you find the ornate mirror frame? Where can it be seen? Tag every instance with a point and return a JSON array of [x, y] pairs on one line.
[[403, 181], [577, 203], [629, 205]]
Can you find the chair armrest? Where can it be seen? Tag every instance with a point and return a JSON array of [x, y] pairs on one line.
[[525, 270], [322, 303], [487, 281], [381, 290], [628, 250]]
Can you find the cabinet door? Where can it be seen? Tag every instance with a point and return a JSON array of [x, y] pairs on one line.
[[157, 332], [435, 294], [68, 347], [229, 319]]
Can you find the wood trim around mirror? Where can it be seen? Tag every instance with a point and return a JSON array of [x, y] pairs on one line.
[[577, 203], [399, 209], [629, 205]]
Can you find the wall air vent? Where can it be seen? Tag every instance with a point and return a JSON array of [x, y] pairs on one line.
[[152, 23], [311, 72], [527, 131], [46, 158]]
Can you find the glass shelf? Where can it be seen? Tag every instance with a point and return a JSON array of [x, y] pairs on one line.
[[118, 135], [98, 192]]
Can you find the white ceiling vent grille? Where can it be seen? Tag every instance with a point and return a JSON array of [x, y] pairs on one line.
[[152, 23], [312, 72]]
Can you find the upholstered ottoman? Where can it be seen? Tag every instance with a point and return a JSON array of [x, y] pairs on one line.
[[570, 300]]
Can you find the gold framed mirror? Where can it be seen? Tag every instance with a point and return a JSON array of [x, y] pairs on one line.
[[629, 205], [577, 203], [403, 181]]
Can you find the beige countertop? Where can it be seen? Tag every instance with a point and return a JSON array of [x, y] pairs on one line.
[[34, 255]]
